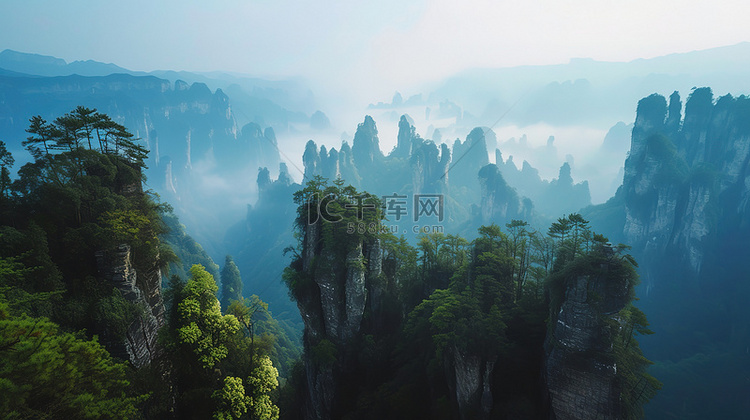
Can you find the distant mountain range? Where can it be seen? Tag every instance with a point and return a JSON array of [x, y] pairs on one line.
[[208, 134], [586, 91], [44, 65], [583, 92], [293, 94]]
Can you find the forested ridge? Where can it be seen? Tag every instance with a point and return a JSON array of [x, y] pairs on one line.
[[91, 323], [454, 328]]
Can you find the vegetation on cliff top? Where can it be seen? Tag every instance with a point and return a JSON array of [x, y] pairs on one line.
[[83, 194], [488, 300]]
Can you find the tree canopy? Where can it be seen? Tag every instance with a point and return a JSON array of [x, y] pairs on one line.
[[82, 129]]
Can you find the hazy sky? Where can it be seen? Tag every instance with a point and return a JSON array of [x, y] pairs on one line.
[[372, 44]]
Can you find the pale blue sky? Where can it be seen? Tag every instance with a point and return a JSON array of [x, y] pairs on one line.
[[356, 43]]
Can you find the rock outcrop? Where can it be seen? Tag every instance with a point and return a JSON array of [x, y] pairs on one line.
[[139, 345], [406, 133], [500, 202], [470, 380], [678, 179], [429, 166], [338, 292], [580, 369], [366, 145], [564, 196], [550, 198], [685, 211], [468, 158]]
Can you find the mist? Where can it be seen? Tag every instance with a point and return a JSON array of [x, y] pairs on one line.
[[627, 120]]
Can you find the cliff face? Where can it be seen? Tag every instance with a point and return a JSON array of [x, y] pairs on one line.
[[499, 202], [469, 378], [685, 185], [330, 164], [429, 167], [685, 191], [406, 133], [579, 367], [652, 178], [366, 145], [332, 310], [468, 158], [139, 345]]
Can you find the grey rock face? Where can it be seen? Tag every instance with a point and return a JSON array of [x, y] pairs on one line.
[[321, 390], [405, 137], [500, 202], [139, 344], [579, 369], [334, 309], [366, 145], [356, 293], [676, 177], [472, 384]]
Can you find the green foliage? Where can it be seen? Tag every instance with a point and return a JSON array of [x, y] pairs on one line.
[[542, 256], [81, 195], [221, 368], [257, 322], [458, 323], [83, 129], [124, 226], [117, 313], [467, 316], [47, 373], [400, 262], [6, 162], [299, 282], [6, 158], [345, 217], [323, 353], [489, 299], [560, 228], [231, 282], [201, 325], [609, 265], [185, 248], [637, 384], [338, 208], [74, 200], [30, 280], [477, 315], [262, 380], [231, 400], [573, 236]]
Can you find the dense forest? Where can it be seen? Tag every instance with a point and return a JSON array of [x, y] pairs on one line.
[[454, 328], [108, 309], [91, 323]]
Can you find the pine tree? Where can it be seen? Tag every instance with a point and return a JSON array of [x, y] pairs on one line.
[[231, 283]]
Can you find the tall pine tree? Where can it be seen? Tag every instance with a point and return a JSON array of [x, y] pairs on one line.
[[231, 283]]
